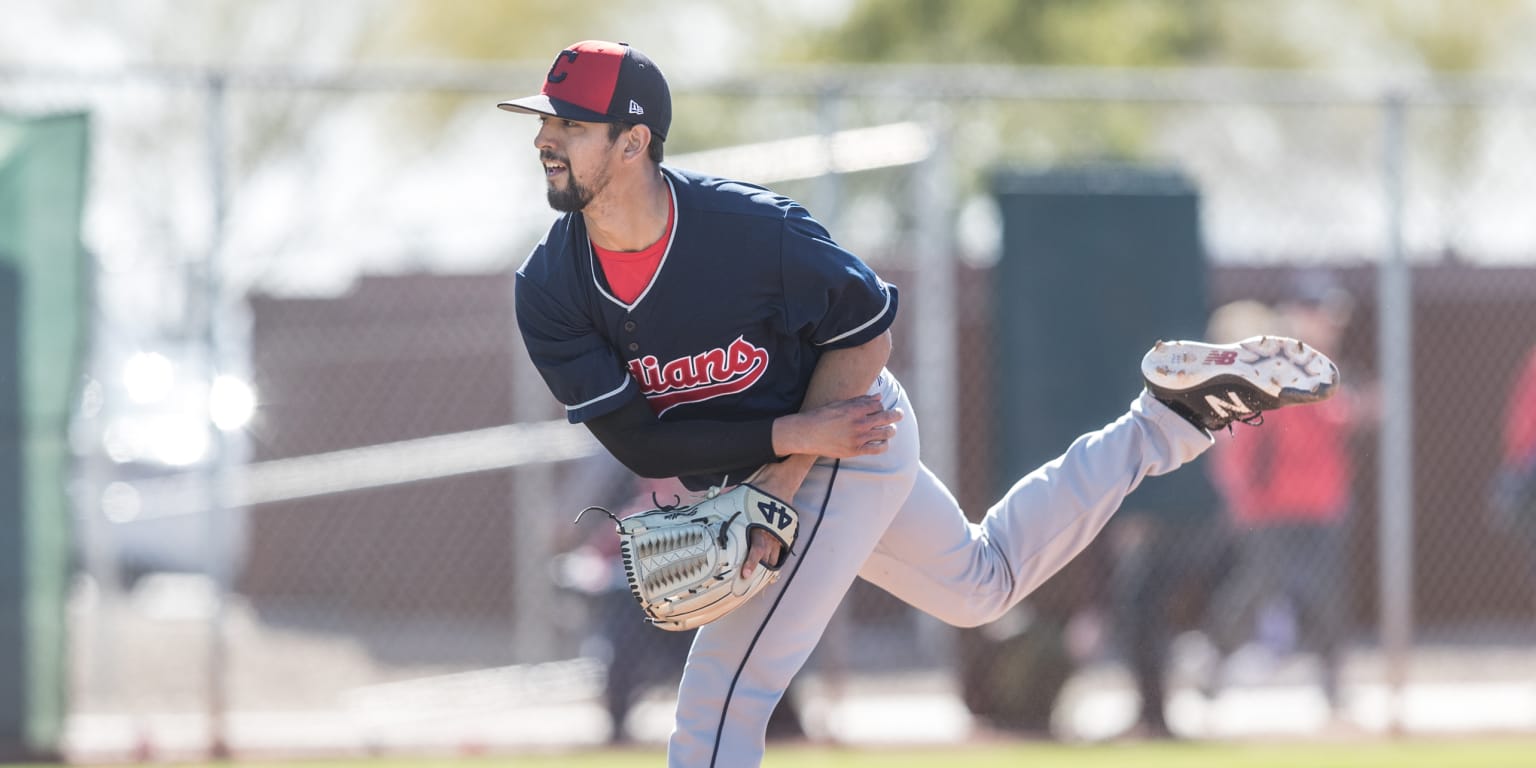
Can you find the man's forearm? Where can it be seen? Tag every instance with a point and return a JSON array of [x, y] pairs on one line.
[[840, 374], [845, 373]]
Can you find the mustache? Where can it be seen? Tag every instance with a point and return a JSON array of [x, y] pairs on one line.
[[550, 157]]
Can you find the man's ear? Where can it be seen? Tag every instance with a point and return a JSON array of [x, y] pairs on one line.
[[636, 141]]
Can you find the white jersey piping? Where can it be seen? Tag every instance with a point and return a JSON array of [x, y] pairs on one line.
[[671, 236]]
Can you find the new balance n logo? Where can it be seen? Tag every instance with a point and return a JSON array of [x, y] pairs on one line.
[[635, 109], [1226, 408], [1221, 357]]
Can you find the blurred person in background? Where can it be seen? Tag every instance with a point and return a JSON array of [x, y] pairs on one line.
[[1288, 494], [1168, 546], [1012, 672], [1514, 482], [637, 655]]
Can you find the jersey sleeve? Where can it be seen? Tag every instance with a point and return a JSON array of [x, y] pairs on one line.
[[832, 297], [581, 369]]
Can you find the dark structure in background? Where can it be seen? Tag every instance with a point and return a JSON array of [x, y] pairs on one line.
[[418, 355], [43, 313], [13, 556], [395, 358], [1097, 264]]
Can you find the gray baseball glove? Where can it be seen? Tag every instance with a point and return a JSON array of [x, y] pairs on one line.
[[684, 562]]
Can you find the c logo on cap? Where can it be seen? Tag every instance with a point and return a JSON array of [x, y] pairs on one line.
[[567, 54]]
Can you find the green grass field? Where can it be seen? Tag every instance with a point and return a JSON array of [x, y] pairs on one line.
[[1493, 753]]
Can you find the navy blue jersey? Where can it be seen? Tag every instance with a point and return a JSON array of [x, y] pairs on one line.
[[748, 295]]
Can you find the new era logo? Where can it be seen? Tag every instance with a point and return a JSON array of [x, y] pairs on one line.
[[635, 109]]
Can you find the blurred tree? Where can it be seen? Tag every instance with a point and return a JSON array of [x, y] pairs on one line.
[[1387, 38], [1449, 38], [678, 34], [1072, 32], [1436, 35], [524, 30]]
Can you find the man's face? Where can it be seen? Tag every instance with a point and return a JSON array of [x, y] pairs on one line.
[[1321, 326], [577, 160]]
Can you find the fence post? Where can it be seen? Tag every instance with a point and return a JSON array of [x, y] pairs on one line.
[[935, 352], [219, 473], [1395, 481]]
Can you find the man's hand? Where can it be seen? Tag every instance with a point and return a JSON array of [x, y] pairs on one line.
[[765, 549], [834, 429], [858, 426], [688, 566]]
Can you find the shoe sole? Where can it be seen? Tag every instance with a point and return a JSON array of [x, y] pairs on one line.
[[1286, 371]]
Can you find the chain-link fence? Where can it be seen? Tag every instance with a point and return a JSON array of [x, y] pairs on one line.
[[375, 553]]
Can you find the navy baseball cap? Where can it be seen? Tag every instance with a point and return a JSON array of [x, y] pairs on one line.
[[595, 81]]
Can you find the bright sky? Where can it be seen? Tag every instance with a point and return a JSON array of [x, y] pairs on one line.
[[362, 194]]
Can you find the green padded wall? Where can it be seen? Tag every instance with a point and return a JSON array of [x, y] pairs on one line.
[[1097, 264], [43, 279]]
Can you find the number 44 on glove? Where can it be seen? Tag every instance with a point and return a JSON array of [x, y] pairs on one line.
[[684, 563]]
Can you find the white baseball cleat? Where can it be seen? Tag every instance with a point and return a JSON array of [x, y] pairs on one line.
[[1214, 385]]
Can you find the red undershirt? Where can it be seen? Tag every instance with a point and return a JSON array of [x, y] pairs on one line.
[[629, 272]]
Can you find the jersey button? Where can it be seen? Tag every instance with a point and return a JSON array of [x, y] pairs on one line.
[[634, 347], [629, 325]]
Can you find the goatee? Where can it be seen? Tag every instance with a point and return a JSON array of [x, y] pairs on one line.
[[575, 196], [569, 200]]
